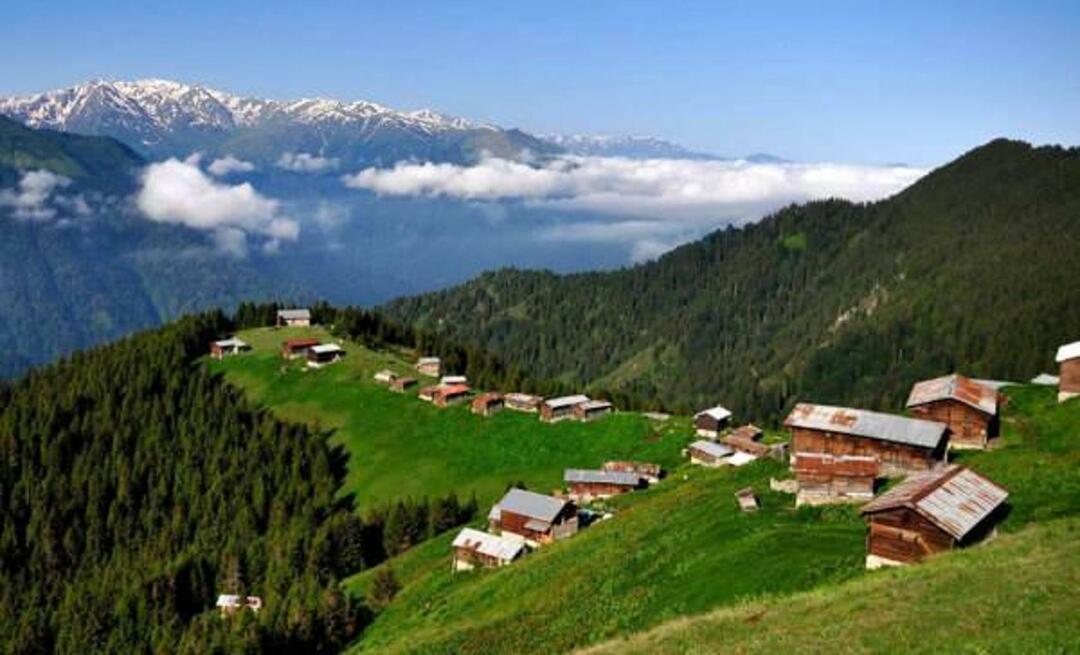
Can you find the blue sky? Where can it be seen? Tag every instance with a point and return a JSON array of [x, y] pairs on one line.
[[840, 81]]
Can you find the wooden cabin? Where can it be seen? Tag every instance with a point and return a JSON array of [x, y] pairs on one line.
[[823, 479], [536, 518], [647, 471], [710, 422], [451, 395], [1068, 358], [385, 376], [296, 348], [902, 445], [228, 347], [402, 384], [324, 354], [930, 513], [487, 404], [229, 604], [294, 318], [558, 409], [969, 408], [747, 439], [586, 485], [473, 549], [708, 453], [591, 410], [748, 501], [523, 402], [429, 366]]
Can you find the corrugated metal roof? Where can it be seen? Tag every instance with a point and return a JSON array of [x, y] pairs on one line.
[[488, 544], [305, 342], [1068, 351], [1046, 380], [955, 498], [523, 398], [531, 504], [719, 413], [453, 379], [566, 401], [602, 477], [711, 448], [327, 348], [294, 314], [863, 423], [955, 387], [428, 360], [453, 389], [749, 432]]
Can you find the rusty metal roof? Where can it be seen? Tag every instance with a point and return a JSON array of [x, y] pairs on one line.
[[956, 499], [864, 423], [1068, 351], [452, 390], [749, 431], [566, 401], [955, 387], [622, 478]]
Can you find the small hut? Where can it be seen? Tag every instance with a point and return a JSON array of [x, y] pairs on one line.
[[708, 453], [487, 404], [536, 518], [558, 409], [296, 348], [523, 402], [473, 548], [324, 354], [1068, 357], [748, 502], [451, 395], [585, 485], [429, 366], [228, 347], [294, 318], [710, 422], [402, 384], [648, 471], [385, 376], [591, 410], [823, 478], [969, 408]]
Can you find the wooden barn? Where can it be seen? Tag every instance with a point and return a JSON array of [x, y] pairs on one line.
[[591, 410], [229, 604], [385, 376], [902, 445], [429, 366], [227, 347], [710, 422], [296, 348], [537, 518], [294, 318], [451, 395], [473, 549], [1068, 358], [708, 453], [558, 409], [648, 471], [487, 404], [402, 384], [822, 479], [523, 402], [930, 513], [324, 354], [969, 408], [585, 485]]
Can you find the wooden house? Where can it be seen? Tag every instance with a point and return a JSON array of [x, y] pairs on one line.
[[429, 366], [451, 395], [558, 409], [487, 404], [585, 485], [591, 410], [748, 501], [536, 518], [523, 402], [296, 348], [710, 422], [1068, 358], [385, 376], [648, 471], [229, 604], [822, 478], [929, 513], [473, 548], [448, 380], [402, 384], [902, 445], [294, 318], [708, 453], [324, 354], [969, 409], [227, 347]]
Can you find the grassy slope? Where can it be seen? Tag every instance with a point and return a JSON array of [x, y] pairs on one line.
[[683, 548], [400, 446]]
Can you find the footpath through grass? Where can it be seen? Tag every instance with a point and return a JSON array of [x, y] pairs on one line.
[[400, 446]]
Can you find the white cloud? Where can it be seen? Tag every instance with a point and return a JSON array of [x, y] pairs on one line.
[[229, 164], [675, 200], [302, 162], [176, 191], [31, 199]]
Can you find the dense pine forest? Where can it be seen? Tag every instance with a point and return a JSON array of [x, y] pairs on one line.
[[974, 267]]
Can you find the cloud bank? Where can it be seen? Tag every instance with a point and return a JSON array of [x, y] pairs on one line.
[[179, 192], [228, 164], [302, 162], [34, 199], [667, 201]]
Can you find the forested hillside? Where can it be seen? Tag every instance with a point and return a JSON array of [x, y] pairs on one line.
[[975, 268]]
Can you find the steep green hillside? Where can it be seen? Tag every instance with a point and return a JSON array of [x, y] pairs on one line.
[[401, 447], [683, 548], [973, 268]]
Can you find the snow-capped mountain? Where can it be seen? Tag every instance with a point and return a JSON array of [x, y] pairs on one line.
[[164, 118], [632, 147]]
